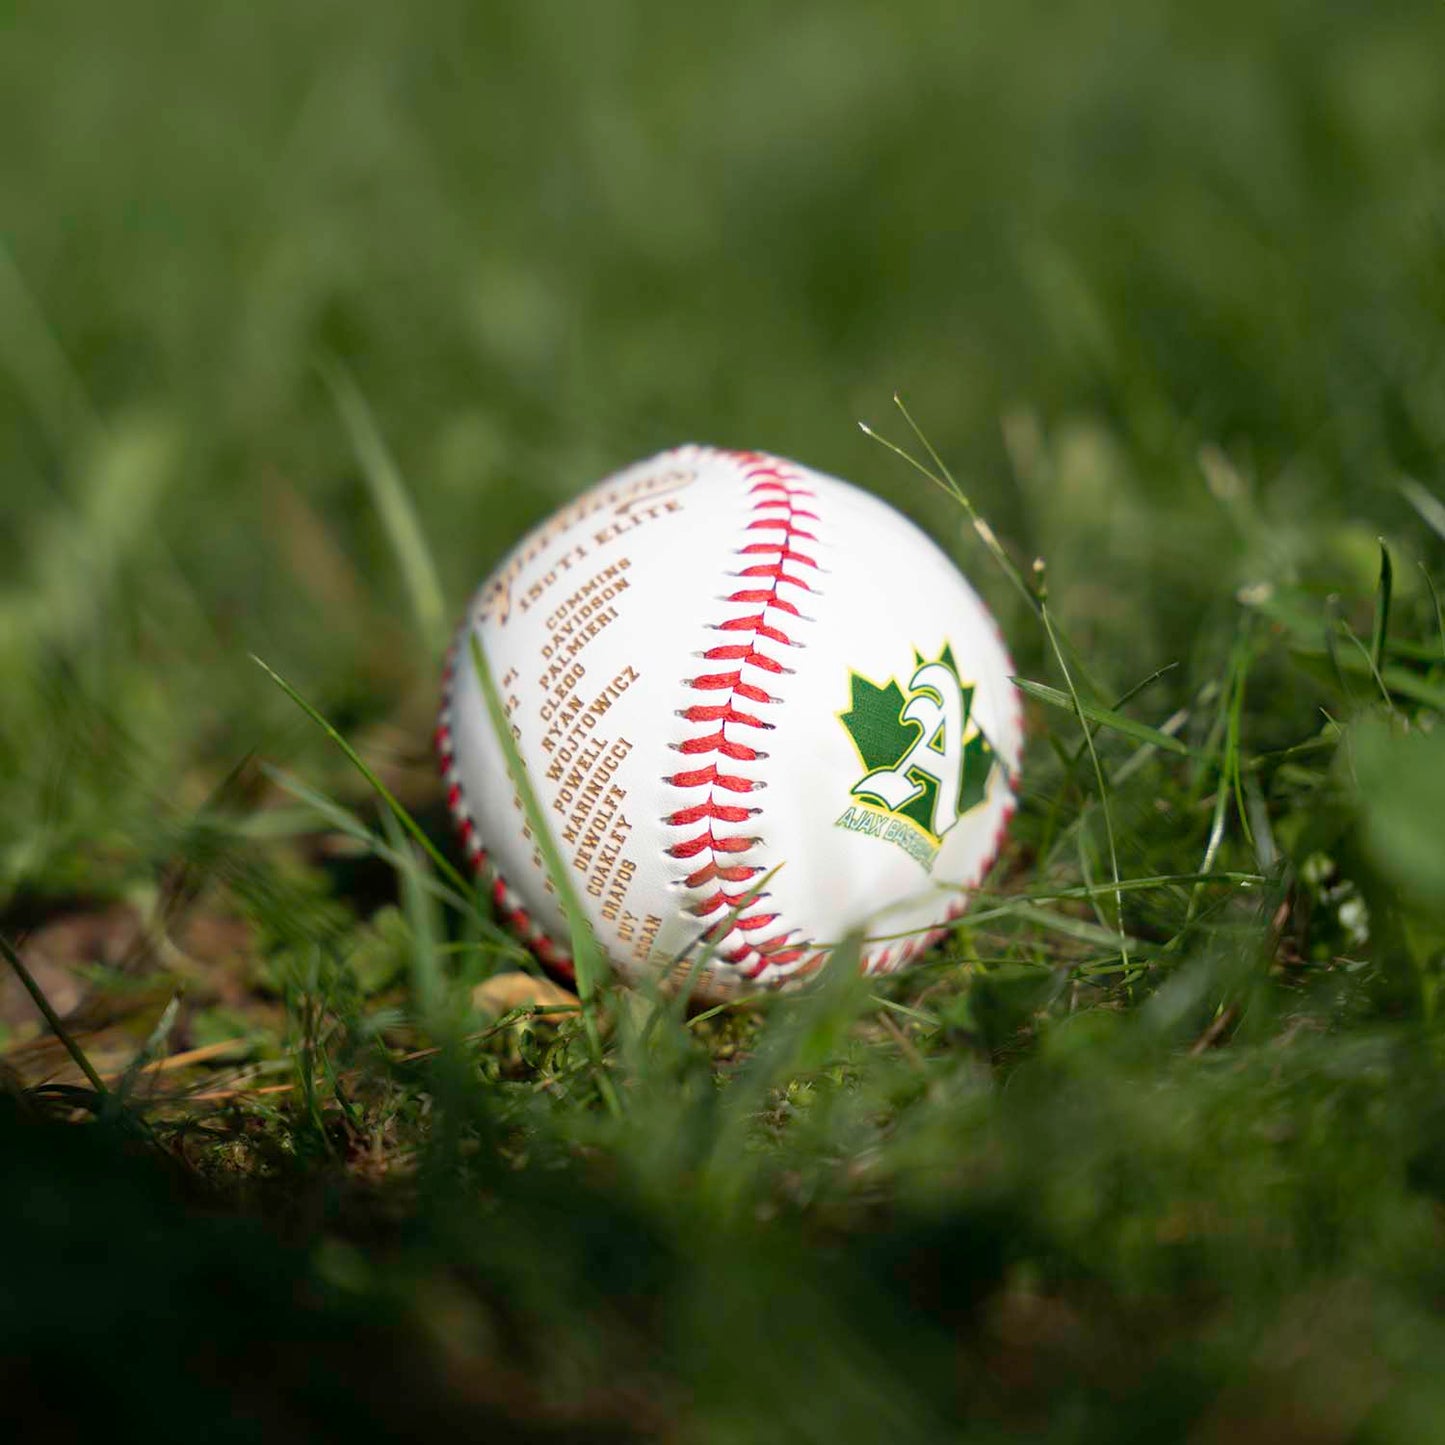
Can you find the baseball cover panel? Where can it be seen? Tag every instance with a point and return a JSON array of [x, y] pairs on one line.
[[755, 702], [901, 765]]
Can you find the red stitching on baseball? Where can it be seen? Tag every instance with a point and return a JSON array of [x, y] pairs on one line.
[[725, 712], [768, 596], [785, 554], [764, 523], [722, 901], [756, 625], [709, 776], [776, 498], [728, 843], [778, 575], [724, 814], [718, 743], [782, 956], [732, 681], [710, 870], [748, 655], [793, 512]]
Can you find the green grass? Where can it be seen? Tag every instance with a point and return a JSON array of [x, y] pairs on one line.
[[307, 312]]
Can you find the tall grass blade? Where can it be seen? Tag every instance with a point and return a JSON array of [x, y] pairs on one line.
[[359, 763], [148, 1050], [1426, 503], [1099, 780], [1234, 733], [1383, 593], [799, 1039], [1105, 717], [1439, 615], [344, 821], [429, 985], [946, 484], [37, 995], [394, 506], [587, 957]]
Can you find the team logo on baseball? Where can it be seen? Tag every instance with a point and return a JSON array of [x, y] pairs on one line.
[[927, 760]]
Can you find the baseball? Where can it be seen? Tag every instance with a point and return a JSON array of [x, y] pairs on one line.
[[759, 708]]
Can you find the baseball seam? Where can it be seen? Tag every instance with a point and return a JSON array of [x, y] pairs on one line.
[[508, 904], [762, 620]]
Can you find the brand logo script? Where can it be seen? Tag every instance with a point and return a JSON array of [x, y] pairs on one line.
[[928, 762]]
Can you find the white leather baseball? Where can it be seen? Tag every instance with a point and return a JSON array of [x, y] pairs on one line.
[[720, 666]]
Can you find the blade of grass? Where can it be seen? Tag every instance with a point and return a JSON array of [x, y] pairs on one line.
[[945, 481], [1426, 503], [742, 1001], [1037, 589], [1171, 725], [1071, 762], [1369, 660], [916, 1015], [344, 821], [439, 1006], [382, 791], [1334, 623], [1395, 680], [1435, 599], [1084, 892], [428, 980], [393, 505], [587, 957], [1098, 778], [798, 1040], [1234, 731], [1224, 736], [1084, 858], [148, 1050], [1383, 593], [52, 1018], [1125, 947], [1105, 717]]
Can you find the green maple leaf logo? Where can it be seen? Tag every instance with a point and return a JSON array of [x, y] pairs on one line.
[[876, 722], [887, 724]]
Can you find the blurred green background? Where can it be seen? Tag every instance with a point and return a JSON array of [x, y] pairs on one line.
[[1165, 285], [549, 238]]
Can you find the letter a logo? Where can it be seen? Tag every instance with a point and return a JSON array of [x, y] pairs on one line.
[[927, 759]]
